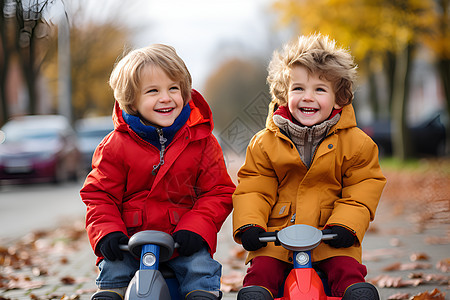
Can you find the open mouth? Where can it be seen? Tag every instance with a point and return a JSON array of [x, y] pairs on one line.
[[308, 111], [164, 110]]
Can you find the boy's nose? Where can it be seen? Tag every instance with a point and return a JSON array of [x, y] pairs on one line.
[[308, 96], [165, 97]]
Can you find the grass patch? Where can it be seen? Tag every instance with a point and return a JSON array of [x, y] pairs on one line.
[[440, 165]]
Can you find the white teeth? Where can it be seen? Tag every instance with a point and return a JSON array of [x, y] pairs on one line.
[[164, 110], [308, 110]]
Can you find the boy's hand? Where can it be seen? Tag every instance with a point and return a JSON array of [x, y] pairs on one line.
[[344, 239], [250, 239], [109, 245], [189, 242]]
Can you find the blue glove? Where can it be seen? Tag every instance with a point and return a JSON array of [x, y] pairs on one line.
[[189, 242], [250, 239], [109, 245], [345, 238]]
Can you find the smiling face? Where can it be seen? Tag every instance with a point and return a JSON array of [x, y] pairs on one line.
[[159, 100], [311, 99]]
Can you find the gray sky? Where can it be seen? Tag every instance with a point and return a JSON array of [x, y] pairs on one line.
[[204, 32]]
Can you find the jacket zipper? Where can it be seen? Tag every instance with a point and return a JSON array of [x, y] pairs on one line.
[[308, 149], [162, 141]]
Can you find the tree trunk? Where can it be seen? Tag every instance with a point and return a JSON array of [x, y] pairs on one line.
[[443, 66], [401, 142], [29, 75], [373, 92], [390, 65], [4, 66]]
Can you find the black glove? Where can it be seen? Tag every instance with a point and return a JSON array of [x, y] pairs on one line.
[[189, 242], [250, 239], [109, 245], [345, 237]]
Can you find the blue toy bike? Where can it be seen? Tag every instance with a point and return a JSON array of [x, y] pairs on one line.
[[151, 281]]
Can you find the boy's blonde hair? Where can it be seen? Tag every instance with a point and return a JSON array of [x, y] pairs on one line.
[[125, 79], [319, 55]]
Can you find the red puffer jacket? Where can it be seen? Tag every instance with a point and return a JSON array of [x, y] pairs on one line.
[[191, 191]]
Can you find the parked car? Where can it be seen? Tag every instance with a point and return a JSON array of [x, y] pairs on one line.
[[39, 148], [90, 133], [427, 137]]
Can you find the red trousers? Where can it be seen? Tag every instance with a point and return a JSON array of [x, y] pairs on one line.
[[341, 271]]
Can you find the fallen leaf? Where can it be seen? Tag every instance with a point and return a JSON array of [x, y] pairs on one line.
[[23, 282], [406, 266], [435, 295], [68, 280], [238, 252], [399, 296], [443, 265], [395, 242], [386, 281], [418, 256], [232, 282]]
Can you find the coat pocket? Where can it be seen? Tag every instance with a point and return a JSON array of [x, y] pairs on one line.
[[132, 218], [175, 214], [280, 214], [325, 214]]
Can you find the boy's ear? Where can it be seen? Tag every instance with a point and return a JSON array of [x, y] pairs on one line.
[[133, 108], [337, 106]]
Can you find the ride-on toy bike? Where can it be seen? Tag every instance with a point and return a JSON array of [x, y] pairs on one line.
[[152, 247], [303, 281]]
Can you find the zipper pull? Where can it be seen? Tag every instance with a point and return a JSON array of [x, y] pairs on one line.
[[293, 218], [162, 139]]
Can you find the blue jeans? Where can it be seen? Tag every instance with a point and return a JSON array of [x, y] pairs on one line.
[[196, 272]]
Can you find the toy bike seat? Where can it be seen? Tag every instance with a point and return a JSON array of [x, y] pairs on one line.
[[162, 239]]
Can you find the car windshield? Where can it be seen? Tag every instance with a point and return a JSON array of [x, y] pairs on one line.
[[17, 135], [24, 130]]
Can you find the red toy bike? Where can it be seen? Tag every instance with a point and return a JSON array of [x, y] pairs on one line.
[[303, 282]]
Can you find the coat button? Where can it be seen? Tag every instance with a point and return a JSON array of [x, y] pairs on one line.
[[330, 146], [290, 258]]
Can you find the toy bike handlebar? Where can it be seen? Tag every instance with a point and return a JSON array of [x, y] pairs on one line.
[[124, 247], [298, 237], [272, 236]]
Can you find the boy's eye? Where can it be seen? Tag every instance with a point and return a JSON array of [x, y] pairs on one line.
[[321, 90], [175, 88], [152, 91], [297, 88]]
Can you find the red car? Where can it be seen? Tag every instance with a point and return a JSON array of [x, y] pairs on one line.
[[39, 148]]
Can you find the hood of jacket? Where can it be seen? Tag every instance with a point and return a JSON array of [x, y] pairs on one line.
[[347, 120], [200, 117]]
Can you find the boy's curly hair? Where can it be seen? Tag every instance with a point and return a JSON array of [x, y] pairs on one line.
[[125, 79], [319, 55]]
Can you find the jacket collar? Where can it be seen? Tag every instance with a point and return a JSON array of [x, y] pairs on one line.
[[347, 119], [151, 134], [200, 117]]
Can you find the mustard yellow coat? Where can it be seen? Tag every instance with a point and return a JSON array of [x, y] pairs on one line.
[[343, 186]]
